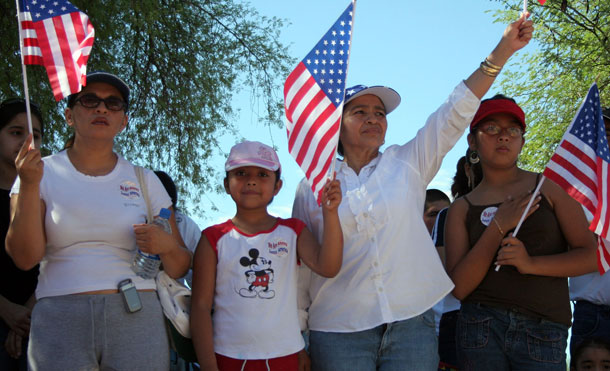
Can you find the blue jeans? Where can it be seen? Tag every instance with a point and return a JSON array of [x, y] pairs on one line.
[[590, 320], [404, 345], [500, 339]]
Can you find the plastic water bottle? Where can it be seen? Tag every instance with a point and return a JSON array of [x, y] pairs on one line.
[[147, 265]]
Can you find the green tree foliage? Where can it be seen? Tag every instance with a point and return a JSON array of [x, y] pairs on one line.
[[571, 49], [184, 60]]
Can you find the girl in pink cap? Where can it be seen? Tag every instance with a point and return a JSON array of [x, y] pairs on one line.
[[245, 269]]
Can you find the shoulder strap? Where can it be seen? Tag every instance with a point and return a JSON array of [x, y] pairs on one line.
[[467, 201], [140, 174]]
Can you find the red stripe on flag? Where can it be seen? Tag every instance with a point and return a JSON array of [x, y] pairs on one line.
[[603, 255], [313, 103], [330, 133], [32, 59], [576, 172], [45, 48], [586, 159], [66, 52], [600, 218], [567, 186], [311, 132], [321, 176], [294, 75]]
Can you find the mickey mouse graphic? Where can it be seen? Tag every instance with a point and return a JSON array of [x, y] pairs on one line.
[[259, 276]]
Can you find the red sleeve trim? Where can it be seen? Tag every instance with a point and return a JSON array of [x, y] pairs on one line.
[[215, 232], [297, 225]]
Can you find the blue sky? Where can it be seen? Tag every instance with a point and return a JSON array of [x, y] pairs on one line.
[[422, 49]]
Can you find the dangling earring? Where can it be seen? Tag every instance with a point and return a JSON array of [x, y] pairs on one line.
[[473, 158], [470, 177]]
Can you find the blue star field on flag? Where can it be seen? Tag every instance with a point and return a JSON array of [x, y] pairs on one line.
[[327, 61], [42, 9], [589, 126]]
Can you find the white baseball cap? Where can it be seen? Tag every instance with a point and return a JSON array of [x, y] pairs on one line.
[[388, 96]]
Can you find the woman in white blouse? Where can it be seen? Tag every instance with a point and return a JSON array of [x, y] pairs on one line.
[[376, 313]]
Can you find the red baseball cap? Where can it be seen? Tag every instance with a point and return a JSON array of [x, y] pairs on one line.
[[491, 106]]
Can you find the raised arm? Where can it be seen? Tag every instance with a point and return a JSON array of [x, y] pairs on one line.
[[325, 260], [517, 35], [26, 239]]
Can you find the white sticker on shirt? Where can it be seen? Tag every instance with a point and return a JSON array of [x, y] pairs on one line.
[[488, 214], [130, 190]]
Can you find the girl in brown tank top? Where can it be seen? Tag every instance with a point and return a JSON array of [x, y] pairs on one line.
[[516, 317]]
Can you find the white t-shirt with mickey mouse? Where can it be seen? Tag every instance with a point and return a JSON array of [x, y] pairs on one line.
[[255, 302], [89, 226]]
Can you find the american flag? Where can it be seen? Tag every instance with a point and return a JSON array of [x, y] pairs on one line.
[[58, 36], [580, 166], [313, 97]]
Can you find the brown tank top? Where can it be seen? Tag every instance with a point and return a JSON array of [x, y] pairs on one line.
[[533, 295]]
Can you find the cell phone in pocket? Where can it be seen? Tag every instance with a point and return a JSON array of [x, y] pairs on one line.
[[130, 295]]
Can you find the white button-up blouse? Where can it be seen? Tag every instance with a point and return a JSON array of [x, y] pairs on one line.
[[391, 270]]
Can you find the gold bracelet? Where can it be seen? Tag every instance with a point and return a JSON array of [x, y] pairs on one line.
[[488, 71], [499, 228], [494, 66]]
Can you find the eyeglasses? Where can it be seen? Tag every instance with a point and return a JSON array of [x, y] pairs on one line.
[[93, 101], [493, 130]]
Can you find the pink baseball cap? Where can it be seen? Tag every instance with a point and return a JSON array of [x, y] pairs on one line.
[[249, 153]]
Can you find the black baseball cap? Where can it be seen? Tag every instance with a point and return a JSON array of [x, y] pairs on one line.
[[108, 78]]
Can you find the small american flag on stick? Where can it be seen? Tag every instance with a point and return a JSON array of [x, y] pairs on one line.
[[313, 96], [580, 166], [58, 36]]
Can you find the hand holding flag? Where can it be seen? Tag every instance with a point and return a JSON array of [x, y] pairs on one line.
[[313, 97]]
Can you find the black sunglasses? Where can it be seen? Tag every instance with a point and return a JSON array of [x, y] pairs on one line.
[[93, 101]]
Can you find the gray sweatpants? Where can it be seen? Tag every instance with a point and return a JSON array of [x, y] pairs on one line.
[[95, 332]]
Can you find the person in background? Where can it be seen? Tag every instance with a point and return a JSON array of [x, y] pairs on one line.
[[16, 286], [516, 318], [190, 233], [436, 200], [189, 230], [80, 214], [591, 354], [591, 295], [376, 314], [468, 175]]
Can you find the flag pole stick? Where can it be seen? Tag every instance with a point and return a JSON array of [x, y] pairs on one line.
[[25, 77], [527, 209], [524, 6], [331, 174]]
